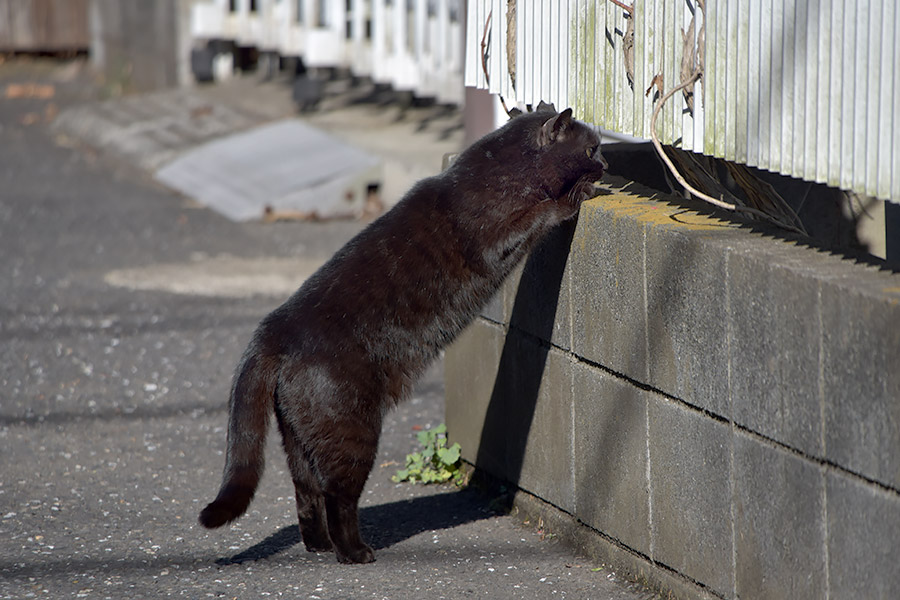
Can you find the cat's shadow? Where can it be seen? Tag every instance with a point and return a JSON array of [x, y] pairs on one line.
[[384, 525]]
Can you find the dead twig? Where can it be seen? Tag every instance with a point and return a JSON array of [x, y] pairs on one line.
[[485, 52], [688, 62], [628, 48], [485, 47], [762, 195], [691, 72], [656, 81], [659, 149], [511, 40], [623, 6], [654, 137], [628, 41]]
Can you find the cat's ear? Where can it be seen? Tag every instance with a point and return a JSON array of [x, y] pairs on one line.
[[514, 112], [545, 107], [553, 127]]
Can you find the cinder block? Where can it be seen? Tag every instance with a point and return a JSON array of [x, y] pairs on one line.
[[687, 318], [774, 343], [860, 374], [494, 309], [779, 523], [790, 343], [612, 489], [607, 262], [470, 368], [863, 529], [527, 436], [690, 493], [548, 469], [509, 405], [536, 296]]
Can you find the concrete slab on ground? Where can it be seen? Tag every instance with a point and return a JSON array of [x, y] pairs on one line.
[[154, 130], [282, 166]]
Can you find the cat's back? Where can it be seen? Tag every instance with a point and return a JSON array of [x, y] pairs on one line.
[[389, 272]]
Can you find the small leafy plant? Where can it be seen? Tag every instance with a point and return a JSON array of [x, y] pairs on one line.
[[435, 463]]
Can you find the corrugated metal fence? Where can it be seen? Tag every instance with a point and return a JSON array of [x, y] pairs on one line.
[[413, 45], [806, 88]]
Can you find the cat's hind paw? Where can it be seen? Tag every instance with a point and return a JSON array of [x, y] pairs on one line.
[[356, 555], [318, 545]]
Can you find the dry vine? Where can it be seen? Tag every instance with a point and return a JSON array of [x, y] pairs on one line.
[[758, 192], [628, 41], [788, 218], [485, 52]]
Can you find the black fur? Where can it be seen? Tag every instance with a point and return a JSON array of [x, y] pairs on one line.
[[351, 342]]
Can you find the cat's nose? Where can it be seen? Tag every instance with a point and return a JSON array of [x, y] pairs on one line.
[[598, 156]]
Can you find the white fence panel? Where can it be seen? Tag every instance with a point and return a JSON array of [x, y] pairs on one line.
[[807, 88]]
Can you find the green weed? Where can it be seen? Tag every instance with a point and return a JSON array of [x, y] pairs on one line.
[[435, 463]]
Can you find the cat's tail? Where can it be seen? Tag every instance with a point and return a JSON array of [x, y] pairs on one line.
[[248, 422]]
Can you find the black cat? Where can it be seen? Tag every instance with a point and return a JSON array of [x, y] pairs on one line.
[[351, 342]]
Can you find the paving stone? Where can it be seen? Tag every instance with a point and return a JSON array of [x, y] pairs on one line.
[[285, 166], [506, 420], [470, 368], [526, 437], [687, 319], [548, 467], [493, 310]]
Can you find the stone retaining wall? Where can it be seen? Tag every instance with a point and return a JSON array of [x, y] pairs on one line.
[[714, 409]]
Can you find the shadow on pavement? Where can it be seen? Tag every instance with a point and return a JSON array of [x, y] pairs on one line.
[[384, 525]]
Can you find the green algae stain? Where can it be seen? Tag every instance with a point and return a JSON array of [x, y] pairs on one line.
[[585, 84]]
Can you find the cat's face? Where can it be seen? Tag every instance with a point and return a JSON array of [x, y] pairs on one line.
[[571, 155], [536, 157]]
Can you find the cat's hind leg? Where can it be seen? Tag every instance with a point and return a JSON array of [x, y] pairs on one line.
[[344, 470], [343, 522], [308, 492]]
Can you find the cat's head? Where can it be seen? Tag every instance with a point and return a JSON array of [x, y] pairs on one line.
[[570, 150], [563, 152], [537, 156]]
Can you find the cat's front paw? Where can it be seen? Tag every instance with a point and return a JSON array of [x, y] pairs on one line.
[[583, 191]]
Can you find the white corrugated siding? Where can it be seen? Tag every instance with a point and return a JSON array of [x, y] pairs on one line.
[[807, 88]]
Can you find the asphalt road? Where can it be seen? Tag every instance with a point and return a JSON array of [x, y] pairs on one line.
[[113, 387]]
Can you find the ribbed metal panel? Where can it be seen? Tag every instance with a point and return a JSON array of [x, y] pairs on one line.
[[806, 88]]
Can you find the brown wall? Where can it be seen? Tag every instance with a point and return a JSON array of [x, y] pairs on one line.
[[136, 43], [44, 25]]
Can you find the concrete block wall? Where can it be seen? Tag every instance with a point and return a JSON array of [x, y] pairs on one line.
[[716, 409]]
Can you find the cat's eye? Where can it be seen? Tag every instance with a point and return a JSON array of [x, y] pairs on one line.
[[590, 151]]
